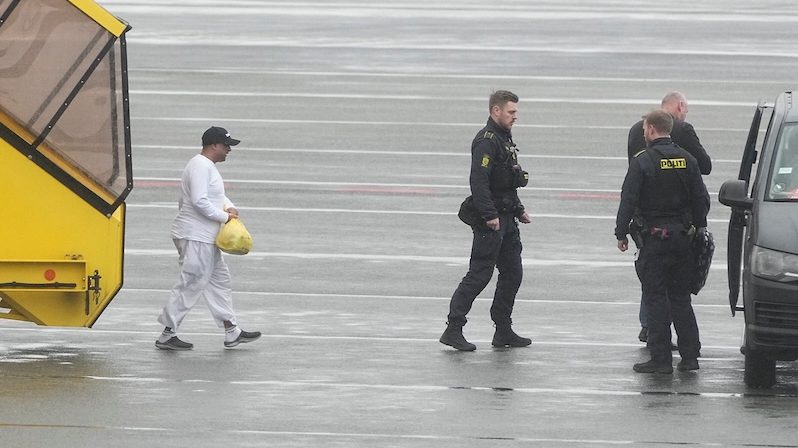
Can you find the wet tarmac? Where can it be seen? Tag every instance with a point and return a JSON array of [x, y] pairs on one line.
[[356, 119]]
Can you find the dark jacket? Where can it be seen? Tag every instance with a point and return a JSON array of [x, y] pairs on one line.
[[682, 134], [493, 160], [665, 188]]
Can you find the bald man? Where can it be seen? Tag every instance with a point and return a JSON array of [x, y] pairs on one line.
[[683, 134]]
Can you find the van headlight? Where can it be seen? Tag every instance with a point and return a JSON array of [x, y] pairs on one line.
[[774, 265]]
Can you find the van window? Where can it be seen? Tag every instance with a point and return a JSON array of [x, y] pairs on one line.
[[784, 176]]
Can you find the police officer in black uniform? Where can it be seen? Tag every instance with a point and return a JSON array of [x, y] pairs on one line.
[[684, 135], [495, 176], [664, 183]]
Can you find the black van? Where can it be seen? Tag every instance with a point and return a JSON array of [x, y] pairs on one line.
[[763, 237]]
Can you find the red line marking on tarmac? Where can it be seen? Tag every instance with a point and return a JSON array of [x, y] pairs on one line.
[[599, 196], [387, 190]]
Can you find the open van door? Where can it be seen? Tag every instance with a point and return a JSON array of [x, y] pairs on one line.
[[737, 222]]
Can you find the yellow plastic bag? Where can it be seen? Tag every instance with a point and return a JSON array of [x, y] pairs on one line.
[[233, 238]]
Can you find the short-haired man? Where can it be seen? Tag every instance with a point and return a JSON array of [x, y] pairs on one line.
[[664, 184], [494, 179], [202, 209], [683, 134]]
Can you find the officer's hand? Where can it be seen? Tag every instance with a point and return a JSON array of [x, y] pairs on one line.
[[524, 218], [623, 245], [493, 224]]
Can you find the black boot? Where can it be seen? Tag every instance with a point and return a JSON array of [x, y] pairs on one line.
[[506, 337], [643, 335], [653, 367], [453, 337], [687, 364]]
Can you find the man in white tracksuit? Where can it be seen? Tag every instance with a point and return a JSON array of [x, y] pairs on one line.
[[203, 208]]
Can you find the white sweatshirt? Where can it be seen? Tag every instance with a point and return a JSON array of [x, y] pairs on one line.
[[202, 202]]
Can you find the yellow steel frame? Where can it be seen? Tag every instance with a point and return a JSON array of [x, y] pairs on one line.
[[100, 15], [44, 222], [50, 234], [43, 275]]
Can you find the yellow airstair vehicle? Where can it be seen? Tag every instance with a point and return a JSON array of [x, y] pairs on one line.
[[65, 162]]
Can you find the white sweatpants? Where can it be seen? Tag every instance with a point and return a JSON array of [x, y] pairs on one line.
[[203, 272]]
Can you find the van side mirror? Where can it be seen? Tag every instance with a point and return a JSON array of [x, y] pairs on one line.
[[733, 193]]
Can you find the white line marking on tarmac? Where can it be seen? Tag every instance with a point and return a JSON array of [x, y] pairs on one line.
[[391, 123], [357, 43], [361, 74], [410, 258], [381, 185], [435, 388], [147, 333], [440, 10], [381, 152], [358, 435], [384, 257], [371, 123], [170, 205], [398, 297], [307, 210], [361, 96], [401, 153], [364, 184]]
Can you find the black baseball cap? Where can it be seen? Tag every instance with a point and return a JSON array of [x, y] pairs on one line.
[[215, 134]]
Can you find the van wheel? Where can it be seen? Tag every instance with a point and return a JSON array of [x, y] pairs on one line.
[[760, 372]]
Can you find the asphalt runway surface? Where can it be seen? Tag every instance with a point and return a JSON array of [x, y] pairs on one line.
[[356, 119]]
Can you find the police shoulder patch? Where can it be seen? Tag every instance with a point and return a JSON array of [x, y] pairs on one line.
[[488, 135], [485, 160], [671, 164]]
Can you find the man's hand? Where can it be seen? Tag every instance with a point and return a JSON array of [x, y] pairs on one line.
[[623, 245], [493, 224], [232, 213], [524, 218]]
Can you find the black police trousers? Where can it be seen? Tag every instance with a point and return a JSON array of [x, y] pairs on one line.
[[665, 269], [491, 249]]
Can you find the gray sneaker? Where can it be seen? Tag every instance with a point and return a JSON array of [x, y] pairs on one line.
[[174, 344], [244, 337]]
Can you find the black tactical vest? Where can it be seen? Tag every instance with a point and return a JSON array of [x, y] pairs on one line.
[[503, 176], [664, 197]]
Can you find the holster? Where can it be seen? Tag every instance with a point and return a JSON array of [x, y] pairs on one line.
[[636, 227], [469, 214]]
